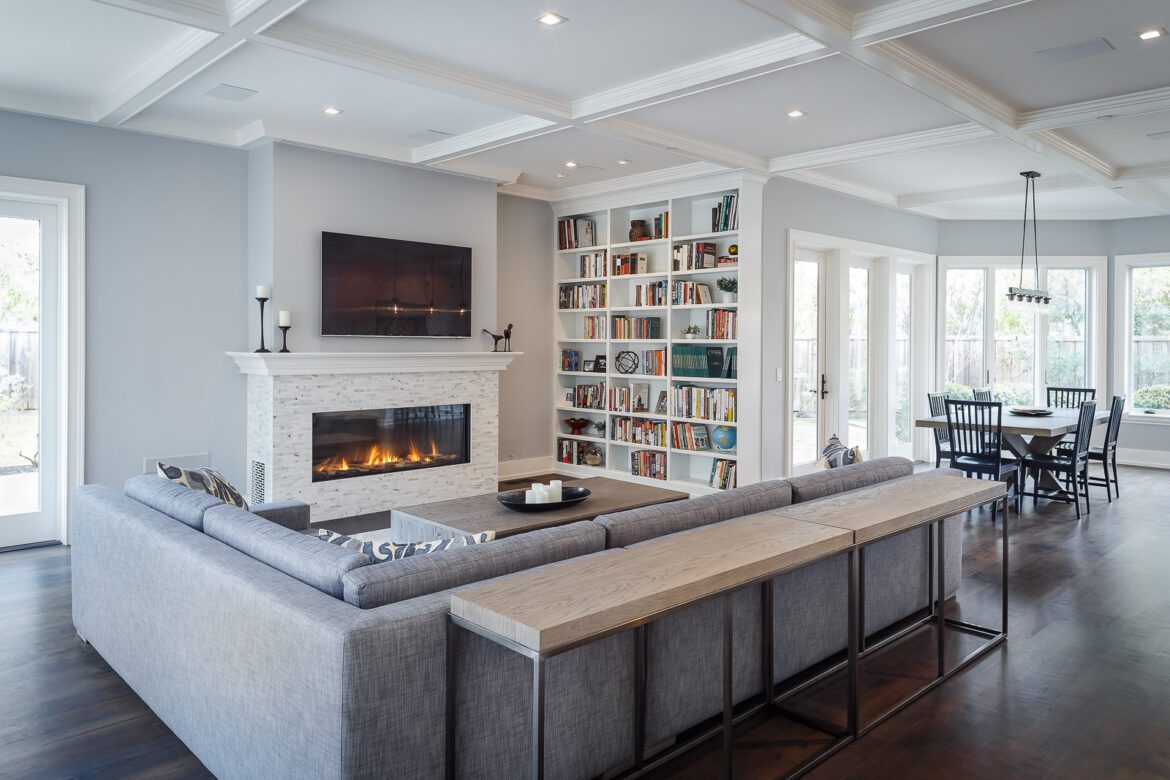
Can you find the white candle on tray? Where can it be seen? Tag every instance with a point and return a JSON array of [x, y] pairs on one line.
[[555, 488], [530, 497]]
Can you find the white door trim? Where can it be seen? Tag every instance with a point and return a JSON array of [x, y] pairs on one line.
[[69, 200]]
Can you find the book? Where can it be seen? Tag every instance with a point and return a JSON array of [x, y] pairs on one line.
[[641, 397], [715, 361]]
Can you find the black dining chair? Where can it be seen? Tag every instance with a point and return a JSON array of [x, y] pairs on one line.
[[942, 439], [1070, 397], [983, 394], [1072, 463], [1107, 452], [975, 429]]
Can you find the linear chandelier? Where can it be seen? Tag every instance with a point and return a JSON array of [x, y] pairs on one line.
[[1026, 298]]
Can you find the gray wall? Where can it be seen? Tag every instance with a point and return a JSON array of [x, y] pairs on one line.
[[315, 191], [165, 271], [525, 282]]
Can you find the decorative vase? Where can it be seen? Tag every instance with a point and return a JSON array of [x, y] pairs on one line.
[[690, 336], [727, 297], [576, 425], [639, 230]]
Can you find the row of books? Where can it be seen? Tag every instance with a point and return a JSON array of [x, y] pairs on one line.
[[653, 362], [576, 232], [722, 324], [582, 296], [593, 326], [690, 257], [590, 396], [716, 404], [636, 327], [725, 216], [687, 293], [690, 436], [648, 432], [592, 266], [648, 294], [662, 225], [722, 474], [635, 398], [648, 463], [633, 263], [575, 452], [700, 361]]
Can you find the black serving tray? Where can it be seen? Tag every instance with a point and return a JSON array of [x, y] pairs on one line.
[[514, 499]]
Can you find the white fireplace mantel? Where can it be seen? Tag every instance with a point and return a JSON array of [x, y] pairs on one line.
[[307, 363]]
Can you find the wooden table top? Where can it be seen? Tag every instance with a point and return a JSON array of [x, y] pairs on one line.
[[1062, 422], [889, 507], [476, 514], [589, 599]]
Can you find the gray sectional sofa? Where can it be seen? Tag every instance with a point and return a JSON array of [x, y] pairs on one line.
[[274, 655]]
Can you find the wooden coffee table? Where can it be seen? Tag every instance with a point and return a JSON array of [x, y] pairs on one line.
[[476, 514]]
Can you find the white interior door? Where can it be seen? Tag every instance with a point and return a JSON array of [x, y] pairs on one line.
[[30, 314], [808, 391]]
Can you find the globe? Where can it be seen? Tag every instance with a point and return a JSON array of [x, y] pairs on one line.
[[723, 437]]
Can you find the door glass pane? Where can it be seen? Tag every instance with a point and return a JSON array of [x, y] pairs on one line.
[[20, 264], [1015, 341], [1150, 345], [902, 401], [805, 361], [1067, 326], [964, 335], [859, 358]]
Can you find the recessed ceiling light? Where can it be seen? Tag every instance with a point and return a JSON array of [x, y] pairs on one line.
[[623, 162], [1149, 35], [331, 111], [560, 175], [570, 164], [551, 19], [795, 113]]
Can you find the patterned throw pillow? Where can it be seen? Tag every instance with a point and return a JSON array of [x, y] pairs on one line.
[[836, 454], [389, 551], [205, 480]]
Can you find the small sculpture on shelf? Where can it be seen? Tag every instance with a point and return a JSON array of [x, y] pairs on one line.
[[639, 230], [505, 337], [577, 425], [626, 362], [508, 338]]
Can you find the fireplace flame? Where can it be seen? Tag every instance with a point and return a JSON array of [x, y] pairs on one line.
[[377, 458]]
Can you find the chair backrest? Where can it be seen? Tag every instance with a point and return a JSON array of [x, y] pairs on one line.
[[1070, 397], [1085, 429], [975, 428], [938, 407], [1116, 410], [982, 394]]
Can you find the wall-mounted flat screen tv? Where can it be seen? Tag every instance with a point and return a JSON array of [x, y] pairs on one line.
[[386, 287]]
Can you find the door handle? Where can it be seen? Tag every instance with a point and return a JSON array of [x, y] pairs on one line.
[[824, 387]]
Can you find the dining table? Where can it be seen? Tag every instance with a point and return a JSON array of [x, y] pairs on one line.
[[1033, 434]]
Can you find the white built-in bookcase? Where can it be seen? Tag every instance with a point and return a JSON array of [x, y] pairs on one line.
[[689, 205]]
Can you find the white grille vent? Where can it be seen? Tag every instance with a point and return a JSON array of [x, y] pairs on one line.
[[259, 485]]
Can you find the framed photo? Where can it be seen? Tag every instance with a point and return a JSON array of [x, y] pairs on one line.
[[569, 398], [590, 366], [660, 407], [599, 364], [641, 397]]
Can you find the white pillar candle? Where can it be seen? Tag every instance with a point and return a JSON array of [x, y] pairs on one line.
[[261, 291], [555, 490], [284, 319], [536, 486], [530, 497]]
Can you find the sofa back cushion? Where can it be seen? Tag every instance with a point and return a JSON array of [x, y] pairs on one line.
[[637, 525], [305, 558], [172, 499], [827, 483], [420, 575]]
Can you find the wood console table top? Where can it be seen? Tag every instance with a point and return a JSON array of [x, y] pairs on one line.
[[587, 600]]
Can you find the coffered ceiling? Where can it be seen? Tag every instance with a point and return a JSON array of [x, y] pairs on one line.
[[928, 105]]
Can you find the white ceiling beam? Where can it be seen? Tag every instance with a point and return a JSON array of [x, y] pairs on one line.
[[44, 106], [116, 113], [1139, 172], [685, 145], [1133, 104], [179, 128], [842, 186], [156, 68], [1043, 184], [480, 140], [203, 14], [340, 49], [622, 183], [881, 147], [899, 18]]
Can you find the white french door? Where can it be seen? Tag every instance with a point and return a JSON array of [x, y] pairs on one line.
[[30, 313]]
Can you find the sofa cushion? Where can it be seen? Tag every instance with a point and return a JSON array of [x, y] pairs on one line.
[[827, 483], [172, 499], [394, 581], [637, 525], [380, 552], [204, 479], [299, 556]]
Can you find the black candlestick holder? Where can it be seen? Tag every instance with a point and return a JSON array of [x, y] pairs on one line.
[[262, 347], [284, 336]]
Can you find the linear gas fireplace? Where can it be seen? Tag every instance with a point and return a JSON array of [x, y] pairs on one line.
[[390, 441]]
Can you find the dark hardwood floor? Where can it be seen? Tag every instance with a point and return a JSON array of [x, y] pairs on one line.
[[1081, 689]]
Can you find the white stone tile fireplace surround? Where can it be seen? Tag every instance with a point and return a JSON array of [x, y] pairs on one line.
[[285, 390]]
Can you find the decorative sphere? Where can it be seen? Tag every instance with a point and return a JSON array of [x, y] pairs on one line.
[[733, 250], [626, 362], [723, 437]]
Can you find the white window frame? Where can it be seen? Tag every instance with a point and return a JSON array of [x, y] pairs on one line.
[[1095, 311], [1122, 376]]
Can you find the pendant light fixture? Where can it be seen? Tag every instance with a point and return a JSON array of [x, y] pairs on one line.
[[1026, 298]]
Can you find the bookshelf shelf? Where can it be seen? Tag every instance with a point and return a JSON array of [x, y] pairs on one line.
[[684, 220]]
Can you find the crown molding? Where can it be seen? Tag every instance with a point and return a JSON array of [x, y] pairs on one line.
[[816, 19], [1132, 104], [900, 18], [1076, 153], [842, 186], [528, 191], [203, 14], [1045, 184], [331, 46], [74, 111], [636, 181], [188, 131], [1138, 172], [1073, 215], [169, 57], [650, 135], [317, 139], [484, 138], [881, 147]]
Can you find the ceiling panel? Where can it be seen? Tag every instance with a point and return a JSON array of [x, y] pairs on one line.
[[1125, 141], [75, 50], [977, 164], [604, 44], [843, 101], [998, 50], [293, 89], [1052, 205], [538, 160]]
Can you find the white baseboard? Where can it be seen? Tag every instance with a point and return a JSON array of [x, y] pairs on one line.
[[514, 469], [1157, 459]]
